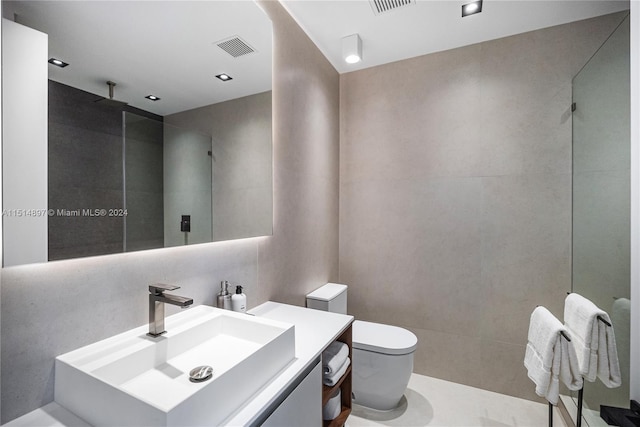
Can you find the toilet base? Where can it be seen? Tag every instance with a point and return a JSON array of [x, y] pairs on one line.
[[380, 380], [371, 401]]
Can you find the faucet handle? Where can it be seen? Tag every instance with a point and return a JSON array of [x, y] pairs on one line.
[[159, 288]]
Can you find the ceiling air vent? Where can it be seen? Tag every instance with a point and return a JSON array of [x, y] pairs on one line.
[[235, 46], [382, 6]]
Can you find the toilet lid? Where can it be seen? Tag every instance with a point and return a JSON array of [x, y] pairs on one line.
[[385, 339]]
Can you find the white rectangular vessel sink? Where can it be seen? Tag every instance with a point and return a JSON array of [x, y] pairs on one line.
[[132, 379]]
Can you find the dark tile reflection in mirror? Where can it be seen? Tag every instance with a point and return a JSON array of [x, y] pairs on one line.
[[85, 173], [144, 183], [167, 173]]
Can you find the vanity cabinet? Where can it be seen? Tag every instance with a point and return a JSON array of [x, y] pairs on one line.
[[300, 408], [344, 385]]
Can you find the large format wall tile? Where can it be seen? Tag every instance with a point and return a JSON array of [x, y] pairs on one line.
[[526, 252], [303, 252], [416, 250], [448, 356], [455, 196]]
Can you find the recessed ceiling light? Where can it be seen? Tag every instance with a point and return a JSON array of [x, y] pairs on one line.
[[57, 62], [152, 98], [352, 49], [472, 8], [224, 77]]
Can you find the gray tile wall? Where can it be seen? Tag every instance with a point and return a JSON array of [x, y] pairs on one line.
[[144, 157], [455, 197], [49, 309], [85, 172]]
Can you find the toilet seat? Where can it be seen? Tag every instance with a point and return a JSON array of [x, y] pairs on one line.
[[385, 339]]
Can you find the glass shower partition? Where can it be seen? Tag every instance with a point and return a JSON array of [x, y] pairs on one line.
[[167, 184], [601, 202]]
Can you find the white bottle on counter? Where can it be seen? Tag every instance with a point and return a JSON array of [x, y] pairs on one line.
[[239, 300]]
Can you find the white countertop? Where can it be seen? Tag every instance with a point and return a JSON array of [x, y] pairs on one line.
[[314, 331]]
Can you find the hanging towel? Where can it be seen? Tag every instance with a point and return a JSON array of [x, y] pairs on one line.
[[334, 356], [621, 321], [331, 380], [549, 357], [594, 341]]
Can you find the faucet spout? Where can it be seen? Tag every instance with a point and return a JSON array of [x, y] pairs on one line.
[[157, 300], [172, 299]]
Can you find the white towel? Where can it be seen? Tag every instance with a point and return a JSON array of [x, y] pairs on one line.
[[550, 358], [594, 341], [332, 380], [334, 356], [333, 407]]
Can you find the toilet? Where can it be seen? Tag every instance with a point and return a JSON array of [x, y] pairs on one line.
[[382, 354]]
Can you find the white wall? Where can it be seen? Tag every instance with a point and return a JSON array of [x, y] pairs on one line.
[[635, 200], [24, 79]]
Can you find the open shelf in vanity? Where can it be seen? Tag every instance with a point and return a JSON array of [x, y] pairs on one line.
[[344, 385]]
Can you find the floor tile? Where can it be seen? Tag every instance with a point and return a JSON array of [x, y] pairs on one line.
[[434, 402]]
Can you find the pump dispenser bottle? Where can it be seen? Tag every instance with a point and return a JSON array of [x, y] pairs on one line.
[[224, 297], [239, 300]]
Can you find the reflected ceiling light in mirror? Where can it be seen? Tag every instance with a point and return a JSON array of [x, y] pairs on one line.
[[472, 8], [57, 62], [224, 77], [352, 49], [152, 98]]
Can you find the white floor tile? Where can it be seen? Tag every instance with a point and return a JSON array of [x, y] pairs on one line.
[[433, 402]]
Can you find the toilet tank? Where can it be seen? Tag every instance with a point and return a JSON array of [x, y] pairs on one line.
[[330, 297]]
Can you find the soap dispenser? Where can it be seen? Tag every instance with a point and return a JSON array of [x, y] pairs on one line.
[[239, 300], [224, 298]]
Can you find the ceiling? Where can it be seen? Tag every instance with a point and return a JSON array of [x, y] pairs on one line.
[[167, 48], [164, 48], [428, 26]]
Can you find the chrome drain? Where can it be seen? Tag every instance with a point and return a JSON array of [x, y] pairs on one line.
[[201, 373]]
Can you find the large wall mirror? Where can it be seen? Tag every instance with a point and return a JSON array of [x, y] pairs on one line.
[[158, 131]]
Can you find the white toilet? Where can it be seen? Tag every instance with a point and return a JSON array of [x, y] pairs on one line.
[[382, 354]]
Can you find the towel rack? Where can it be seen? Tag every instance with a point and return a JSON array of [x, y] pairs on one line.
[[566, 337], [581, 391]]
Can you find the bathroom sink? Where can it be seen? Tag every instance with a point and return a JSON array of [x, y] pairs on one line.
[[132, 379]]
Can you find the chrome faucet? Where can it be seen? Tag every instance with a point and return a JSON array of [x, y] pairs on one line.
[[157, 299]]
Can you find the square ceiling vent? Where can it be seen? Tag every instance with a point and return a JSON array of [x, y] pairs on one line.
[[383, 6], [235, 46]]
